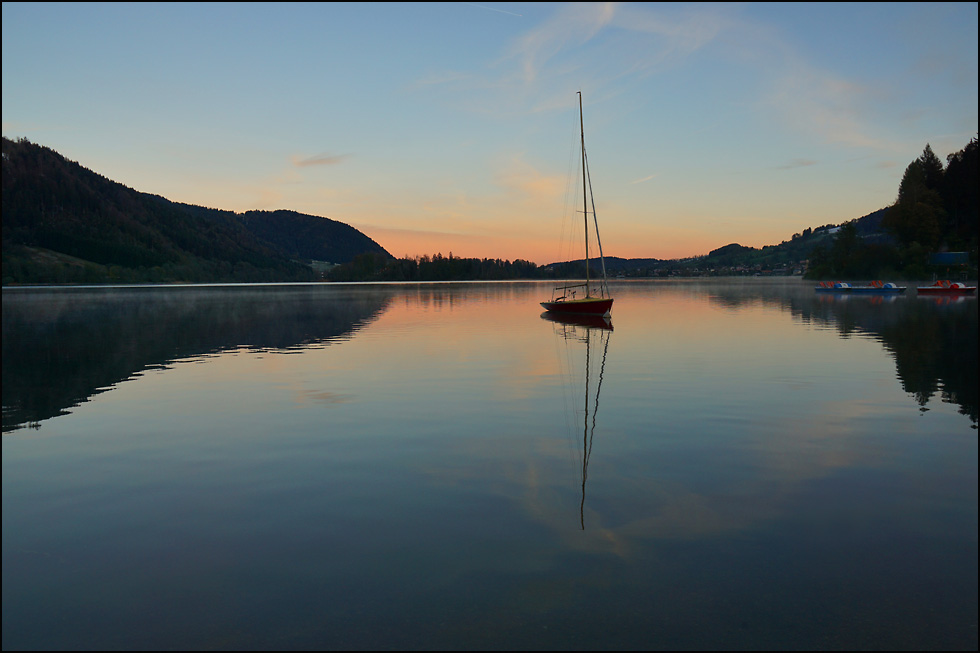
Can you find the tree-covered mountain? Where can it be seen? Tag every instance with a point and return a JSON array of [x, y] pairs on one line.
[[64, 223]]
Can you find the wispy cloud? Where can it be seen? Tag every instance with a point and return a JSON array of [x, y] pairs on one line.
[[527, 184], [319, 160], [640, 181], [442, 78], [797, 163], [571, 26], [673, 36], [502, 11], [824, 104], [833, 106], [601, 48]]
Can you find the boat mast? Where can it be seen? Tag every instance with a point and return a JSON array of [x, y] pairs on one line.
[[595, 221], [585, 198]]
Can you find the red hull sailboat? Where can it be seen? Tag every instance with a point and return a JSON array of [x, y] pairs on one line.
[[584, 306], [595, 298]]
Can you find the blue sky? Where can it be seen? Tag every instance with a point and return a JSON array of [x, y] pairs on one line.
[[450, 127]]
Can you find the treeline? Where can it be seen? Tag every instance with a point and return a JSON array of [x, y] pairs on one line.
[[28, 265], [372, 267], [936, 211]]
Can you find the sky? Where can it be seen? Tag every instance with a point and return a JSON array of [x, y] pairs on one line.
[[453, 127]]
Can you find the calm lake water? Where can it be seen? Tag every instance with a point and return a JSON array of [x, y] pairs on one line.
[[727, 465]]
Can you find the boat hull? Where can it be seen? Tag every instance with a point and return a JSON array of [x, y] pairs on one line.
[[588, 306], [932, 290], [878, 291], [944, 287], [876, 288]]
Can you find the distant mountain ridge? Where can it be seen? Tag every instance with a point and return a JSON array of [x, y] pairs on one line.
[[734, 258], [64, 223]]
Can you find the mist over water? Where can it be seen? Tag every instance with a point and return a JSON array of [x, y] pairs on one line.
[[726, 464]]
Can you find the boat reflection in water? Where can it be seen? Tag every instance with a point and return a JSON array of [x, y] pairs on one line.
[[591, 333]]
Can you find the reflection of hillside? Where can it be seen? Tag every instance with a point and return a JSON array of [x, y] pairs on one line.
[[933, 340], [60, 347]]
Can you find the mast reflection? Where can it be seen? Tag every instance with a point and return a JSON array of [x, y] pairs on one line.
[[592, 331]]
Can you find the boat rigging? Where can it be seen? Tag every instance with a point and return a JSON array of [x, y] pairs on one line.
[[597, 299]]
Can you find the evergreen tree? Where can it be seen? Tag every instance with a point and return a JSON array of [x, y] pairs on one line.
[[918, 215], [932, 169], [960, 189]]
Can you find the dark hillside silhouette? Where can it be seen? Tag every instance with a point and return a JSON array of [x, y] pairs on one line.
[[65, 223]]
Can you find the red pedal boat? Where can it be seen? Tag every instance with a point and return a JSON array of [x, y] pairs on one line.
[[946, 288]]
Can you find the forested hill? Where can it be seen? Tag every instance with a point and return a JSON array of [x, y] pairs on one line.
[[64, 223]]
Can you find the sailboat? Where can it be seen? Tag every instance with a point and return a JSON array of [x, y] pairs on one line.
[[595, 299]]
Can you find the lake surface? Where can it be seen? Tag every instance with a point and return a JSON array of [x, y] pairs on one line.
[[726, 465]]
